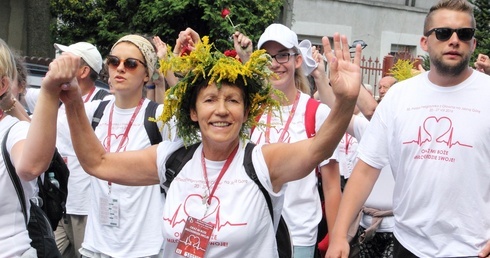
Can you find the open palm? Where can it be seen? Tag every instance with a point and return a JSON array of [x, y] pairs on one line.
[[345, 74]]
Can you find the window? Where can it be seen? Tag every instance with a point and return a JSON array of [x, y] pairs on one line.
[[397, 49], [410, 3]]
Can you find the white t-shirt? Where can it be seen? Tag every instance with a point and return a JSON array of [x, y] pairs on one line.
[[436, 141], [243, 225], [14, 239], [140, 207], [302, 195], [78, 201], [381, 196]]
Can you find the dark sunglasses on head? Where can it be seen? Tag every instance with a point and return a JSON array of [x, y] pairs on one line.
[[129, 63], [443, 34]]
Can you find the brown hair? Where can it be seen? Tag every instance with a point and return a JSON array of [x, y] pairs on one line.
[[454, 5]]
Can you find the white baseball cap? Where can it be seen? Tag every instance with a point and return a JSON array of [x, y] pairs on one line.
[[86, 51], [280, 34]]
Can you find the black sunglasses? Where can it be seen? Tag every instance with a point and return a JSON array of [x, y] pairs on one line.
[[282, 58], [129, 63], [443, 34]]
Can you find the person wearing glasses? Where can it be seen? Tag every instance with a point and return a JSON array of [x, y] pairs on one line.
[[125, 221], [432, 129], [288, 125], [70, 231], [213, 208]]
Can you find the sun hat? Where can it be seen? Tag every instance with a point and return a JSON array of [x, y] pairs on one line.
[[279, 33], [86, 51]]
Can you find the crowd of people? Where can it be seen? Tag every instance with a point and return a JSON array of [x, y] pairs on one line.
[[412, 162]]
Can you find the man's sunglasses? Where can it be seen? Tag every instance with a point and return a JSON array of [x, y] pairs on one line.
[[129, 63], [443, 34]]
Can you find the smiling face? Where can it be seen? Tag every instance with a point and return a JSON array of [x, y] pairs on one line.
[[450, 57], [220, 114], [123, 78], [285, 71]]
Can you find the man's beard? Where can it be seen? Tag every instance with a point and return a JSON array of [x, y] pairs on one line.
[[450, 70]]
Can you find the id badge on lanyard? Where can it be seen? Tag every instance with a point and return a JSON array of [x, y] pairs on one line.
[[194, 239]]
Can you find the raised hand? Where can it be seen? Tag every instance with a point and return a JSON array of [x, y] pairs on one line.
[[186, 41], [482, 64], [243, 46], [61, 77], [161, 47], [345, 75]]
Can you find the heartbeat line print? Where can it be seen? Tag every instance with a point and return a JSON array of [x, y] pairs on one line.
[[178, 217], [438, 129]]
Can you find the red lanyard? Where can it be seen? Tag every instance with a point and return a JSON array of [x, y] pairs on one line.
[[89, 95], [347, 142], [221, 173], [286, 126], [128, 127], [126, 132]]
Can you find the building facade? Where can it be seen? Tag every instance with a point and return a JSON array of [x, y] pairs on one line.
[[386, 26]]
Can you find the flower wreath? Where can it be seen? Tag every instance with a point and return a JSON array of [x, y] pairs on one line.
[[206, 65]]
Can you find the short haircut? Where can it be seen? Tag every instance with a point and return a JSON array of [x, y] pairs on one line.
[[454, 5]]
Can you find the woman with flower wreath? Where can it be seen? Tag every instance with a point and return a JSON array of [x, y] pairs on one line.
[[216, 102]]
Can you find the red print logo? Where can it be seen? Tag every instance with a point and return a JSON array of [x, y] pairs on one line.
[[439, 130], [191, 208], [116, 139]]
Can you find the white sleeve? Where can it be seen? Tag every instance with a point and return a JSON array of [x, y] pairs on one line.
[[31, 98]]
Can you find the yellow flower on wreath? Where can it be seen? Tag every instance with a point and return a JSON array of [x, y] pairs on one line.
[[205, 64]]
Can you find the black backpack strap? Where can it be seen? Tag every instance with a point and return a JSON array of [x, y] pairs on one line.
[[151, 127], [249, 168], [176, 162], [13, 175], [283, 238], [99, 112], [100, 94]]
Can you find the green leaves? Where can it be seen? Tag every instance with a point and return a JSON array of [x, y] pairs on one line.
[[102, 22]]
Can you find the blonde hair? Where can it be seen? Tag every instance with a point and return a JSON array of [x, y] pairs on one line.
[[7, 62], [301, 81]]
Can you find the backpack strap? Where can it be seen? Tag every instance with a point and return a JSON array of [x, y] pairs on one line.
[[99, 112], [151, 127], [180, 157], [310, 117], [100, 94], [176, 162], [13, 175], [249, 168]]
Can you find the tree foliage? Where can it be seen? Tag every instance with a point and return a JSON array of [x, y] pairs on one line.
[[482, 34], [102, 22]]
